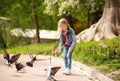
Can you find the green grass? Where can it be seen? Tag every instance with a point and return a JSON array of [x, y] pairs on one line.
[[93, 54], [44, 48]]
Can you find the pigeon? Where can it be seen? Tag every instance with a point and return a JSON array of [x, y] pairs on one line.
[[19, 66], [6, 56], [51, 71], [30, 63], [11, 60], [51, 78], [54, 70], [14, 58], [33, 59]]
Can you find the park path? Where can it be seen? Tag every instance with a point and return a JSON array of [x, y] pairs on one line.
[[37, 73]]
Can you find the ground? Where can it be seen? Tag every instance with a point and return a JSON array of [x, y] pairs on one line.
[[37, 72]]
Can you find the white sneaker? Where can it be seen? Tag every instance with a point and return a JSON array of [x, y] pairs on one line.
[[64, 71], [67, 71]]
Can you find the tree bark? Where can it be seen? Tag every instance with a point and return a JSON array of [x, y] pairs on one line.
[[35, 18], [107, 27]]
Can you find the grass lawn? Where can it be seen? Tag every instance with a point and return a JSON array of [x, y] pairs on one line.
[[104, 54]]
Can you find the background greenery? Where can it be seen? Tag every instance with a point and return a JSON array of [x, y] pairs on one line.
[[78, 12]]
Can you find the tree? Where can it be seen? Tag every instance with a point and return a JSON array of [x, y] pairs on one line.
[[75, 10], [65, 8], [4, 22], [107, 27], [95, 10], [35, 18]]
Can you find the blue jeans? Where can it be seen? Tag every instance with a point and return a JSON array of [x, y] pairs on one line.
[[67, 57]]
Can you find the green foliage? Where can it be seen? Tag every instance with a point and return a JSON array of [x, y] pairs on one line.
[[4, 32], [20, 14], [44, 48], [104, 54], [20, 11], [5, 6], [77, 8], [96, 5], [109, 67]]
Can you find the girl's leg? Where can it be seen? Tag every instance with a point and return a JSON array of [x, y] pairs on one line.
[[68, 63], [65, 56], [69, 60]]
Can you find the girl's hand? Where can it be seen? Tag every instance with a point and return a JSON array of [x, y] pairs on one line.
[[57, 51]]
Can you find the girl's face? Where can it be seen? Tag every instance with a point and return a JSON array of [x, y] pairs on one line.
[[63, 27]]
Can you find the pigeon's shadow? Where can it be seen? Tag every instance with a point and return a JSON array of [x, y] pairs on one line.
[[39, 75], [75, 74], [17, 76]]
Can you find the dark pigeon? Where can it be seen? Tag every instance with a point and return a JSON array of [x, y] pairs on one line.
[[19, 66], [11, 60]]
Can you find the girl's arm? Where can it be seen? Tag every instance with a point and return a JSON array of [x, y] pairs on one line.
[[74, 40], [61, 43]]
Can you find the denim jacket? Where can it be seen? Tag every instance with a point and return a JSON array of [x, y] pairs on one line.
[[71, 38]]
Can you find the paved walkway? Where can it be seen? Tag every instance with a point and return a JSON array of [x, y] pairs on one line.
[[37, 73]]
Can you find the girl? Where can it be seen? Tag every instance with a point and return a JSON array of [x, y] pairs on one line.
[[67, 42]]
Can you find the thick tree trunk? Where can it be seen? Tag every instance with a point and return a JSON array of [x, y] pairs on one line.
[[107, 27], [35, 21]]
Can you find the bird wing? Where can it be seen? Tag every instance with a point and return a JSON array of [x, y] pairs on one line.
[[30, 64], [14, 58], [54, 70], [6, 55], [30, 53], [19, 66]]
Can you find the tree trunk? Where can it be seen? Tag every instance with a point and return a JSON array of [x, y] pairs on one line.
[[89, 19], [107, 27], [35, 18]]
